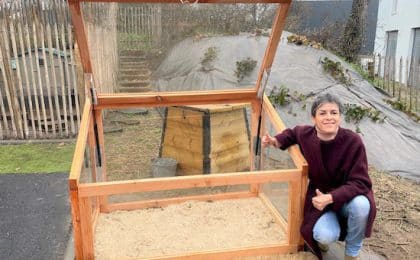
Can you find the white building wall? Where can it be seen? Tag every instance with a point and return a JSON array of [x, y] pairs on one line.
[[403, 19]]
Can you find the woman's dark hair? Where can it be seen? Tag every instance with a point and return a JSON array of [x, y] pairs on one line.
[[326, 98]]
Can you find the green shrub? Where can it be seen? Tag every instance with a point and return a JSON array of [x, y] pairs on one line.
[[279, 96], [209, 56], [335, 70], [244, 68], [355, 113]]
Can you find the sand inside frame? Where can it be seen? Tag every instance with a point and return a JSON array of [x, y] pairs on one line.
[[191, 226]]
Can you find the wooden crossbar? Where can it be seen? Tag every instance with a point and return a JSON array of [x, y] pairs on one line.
[[159, 99], [184, 182]]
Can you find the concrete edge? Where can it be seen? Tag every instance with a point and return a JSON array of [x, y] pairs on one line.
[[69, 252]]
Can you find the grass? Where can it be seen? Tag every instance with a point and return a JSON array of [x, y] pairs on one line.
[[36, 158]]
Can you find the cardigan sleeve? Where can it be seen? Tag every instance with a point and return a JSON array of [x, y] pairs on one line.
[[357, 181], [287, 138]]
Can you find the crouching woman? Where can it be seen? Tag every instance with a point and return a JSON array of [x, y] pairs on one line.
[[339, 203]]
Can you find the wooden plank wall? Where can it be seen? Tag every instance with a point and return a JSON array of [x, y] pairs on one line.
[[230, 147], [183, 139], [101, 28]]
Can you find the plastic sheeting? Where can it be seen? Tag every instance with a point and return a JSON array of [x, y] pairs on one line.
[[392, 146]]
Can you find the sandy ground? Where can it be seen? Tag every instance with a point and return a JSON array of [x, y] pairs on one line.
[[191, 226]]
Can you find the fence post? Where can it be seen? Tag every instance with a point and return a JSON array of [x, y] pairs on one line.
[[379, 69], [400, 84], [407, 78], [393, 77]]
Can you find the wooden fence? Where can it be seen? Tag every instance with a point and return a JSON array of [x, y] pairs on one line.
[[39, 86], [152, 26], [139, 26], [41, 83], [400, 78]]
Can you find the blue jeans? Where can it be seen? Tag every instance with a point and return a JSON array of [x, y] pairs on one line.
[[327, 228]]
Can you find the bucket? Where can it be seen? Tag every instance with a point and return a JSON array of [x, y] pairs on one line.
[[164, 167]]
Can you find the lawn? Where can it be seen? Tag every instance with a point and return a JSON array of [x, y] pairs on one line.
[[36, 158]]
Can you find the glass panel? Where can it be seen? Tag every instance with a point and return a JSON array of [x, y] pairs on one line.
[[176, 141], [176, 193], [87, 175], [176, 47], [274, 158], [278, 195]]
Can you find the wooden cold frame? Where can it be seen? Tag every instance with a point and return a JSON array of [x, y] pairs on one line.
[[88, 199]]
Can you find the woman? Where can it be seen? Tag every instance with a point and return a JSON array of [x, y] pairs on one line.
[[339, 203]]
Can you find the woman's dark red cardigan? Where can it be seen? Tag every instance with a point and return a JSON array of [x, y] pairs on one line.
[[338, 167]]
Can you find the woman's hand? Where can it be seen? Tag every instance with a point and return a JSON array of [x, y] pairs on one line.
[[268, 140], [321, 200]]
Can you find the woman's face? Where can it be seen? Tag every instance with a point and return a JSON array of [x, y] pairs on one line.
[[327, 118]]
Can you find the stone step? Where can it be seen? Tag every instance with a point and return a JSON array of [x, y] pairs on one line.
[[137, 66], [131, 53], [134, 83], [132, 58], [133, 77], [134, 89], [142, 62], [131, 71]]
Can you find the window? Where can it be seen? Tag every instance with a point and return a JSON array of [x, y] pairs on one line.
[[394, 6], [414, 76], [391, 48]]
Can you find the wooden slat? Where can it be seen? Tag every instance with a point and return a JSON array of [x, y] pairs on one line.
[[281, 248], [304, 188], [63, 85], [85, 207], [183, 182], [65, 25], [26, 74], [79, 150], [9, 82], [33, 80], [38, 70], [95, 214], [185, 115], [294, 214], [3, 64], [54, 79], [75, 213], [47, 77], [158, 203], [4, 129], [79, 31], [273, 42], [155, 99], [19, 81]]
